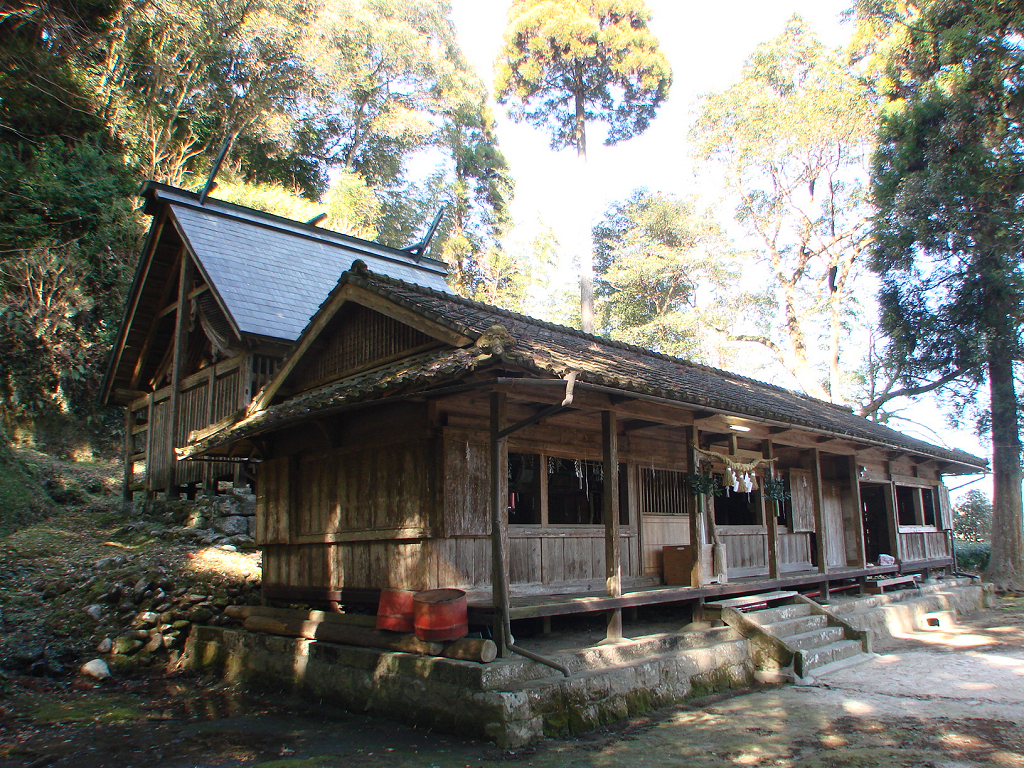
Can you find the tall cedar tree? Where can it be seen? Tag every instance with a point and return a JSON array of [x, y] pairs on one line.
[[948, 180], [569, 62]]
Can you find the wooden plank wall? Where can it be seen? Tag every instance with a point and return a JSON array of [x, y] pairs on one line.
[[835, 543], [794, 551], [661, 531], [745, 549], [924, 545]]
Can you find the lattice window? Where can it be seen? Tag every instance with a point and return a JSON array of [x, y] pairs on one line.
[[662, 492]]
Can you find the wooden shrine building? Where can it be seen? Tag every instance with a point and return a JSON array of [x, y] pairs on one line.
[[220, 295], [404, 437]]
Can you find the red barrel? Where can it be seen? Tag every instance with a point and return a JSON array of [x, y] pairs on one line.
[[394, 611], [440, 614]]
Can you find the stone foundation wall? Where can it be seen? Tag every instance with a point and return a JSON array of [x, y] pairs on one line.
[[510, 702]]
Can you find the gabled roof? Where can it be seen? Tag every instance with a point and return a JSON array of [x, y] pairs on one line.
[[553, 351], [268, 274], [272, 273]]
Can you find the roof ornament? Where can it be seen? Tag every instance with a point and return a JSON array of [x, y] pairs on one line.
[[420, 248], [210, 183], [495, 340], [359, 268]]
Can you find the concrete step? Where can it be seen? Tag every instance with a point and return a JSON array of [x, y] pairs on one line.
[[835, 666], [789, 627], [815, 638], [826, 654], [780, 613]]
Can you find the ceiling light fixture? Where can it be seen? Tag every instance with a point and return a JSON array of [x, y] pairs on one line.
[[739, 428]]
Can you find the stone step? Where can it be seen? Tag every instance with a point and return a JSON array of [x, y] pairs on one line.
[[789, 627], [815, 638], [836, 666], [780, 613], [826, 654]]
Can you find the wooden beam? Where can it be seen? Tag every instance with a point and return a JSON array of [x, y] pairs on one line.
[[858, 510], [168, 291], [703, 415], [820, 526], [177, 361], [631, 425], [769, 509], [499, 520], [891, 510], [695, 501], [610, 513]]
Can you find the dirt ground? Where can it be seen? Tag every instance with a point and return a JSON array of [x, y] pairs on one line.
[[946, 699]]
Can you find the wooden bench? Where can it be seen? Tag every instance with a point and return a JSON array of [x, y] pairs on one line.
[[749, 602], [878, 586]]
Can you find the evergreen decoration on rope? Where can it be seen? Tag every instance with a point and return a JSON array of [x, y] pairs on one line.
[[704, 485], [776, 489]]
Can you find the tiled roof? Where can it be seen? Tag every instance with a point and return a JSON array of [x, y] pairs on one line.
[[554, 350], [273, 273]]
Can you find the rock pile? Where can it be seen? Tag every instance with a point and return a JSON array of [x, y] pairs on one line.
[[132, 615]]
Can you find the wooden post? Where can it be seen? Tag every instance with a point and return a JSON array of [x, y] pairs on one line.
[[181, 318], [820, 527], [771, 519], [209, 477], [696, 513], [610, 513], [129, 451], [148, 482], [858, 506], [894, 519], [499, 521]]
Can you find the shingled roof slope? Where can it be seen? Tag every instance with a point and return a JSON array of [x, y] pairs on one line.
[[555, 350], [272, 273]]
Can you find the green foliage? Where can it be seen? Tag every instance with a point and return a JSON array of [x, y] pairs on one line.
[[775, 489], [948, 181], [663, 272], [972, 518], [568, 62], [790, 140], [704, 485], [973, 556]]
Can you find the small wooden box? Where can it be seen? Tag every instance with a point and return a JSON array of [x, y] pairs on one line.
[[679, 561]]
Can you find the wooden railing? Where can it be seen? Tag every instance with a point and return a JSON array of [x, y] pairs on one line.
[[923, 544]]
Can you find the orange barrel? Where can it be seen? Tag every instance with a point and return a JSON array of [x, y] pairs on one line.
[[440, 614], [394, 611]]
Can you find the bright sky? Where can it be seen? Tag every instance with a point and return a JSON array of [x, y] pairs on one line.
[[706, 44]]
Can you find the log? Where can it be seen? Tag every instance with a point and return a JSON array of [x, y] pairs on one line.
[[243, 612], [346, 634], [471, 649]]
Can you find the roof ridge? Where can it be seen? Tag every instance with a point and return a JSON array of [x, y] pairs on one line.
[[376, 276], [276, 221]]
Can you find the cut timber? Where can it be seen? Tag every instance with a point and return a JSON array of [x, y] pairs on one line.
[[878, 586], [354, 629], [472, 649], [243, 612], [748, 602], [343, 633]]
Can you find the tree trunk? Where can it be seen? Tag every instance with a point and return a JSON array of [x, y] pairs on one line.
[[1006, 566], [587, 257]]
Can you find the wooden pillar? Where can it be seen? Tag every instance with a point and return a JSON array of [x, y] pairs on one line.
[[129, 451], [610, 513], [209, 477], [894, 521], [696, 513], [148, 481], [858, 507], [499, 520], [769, 511], [181, 318], [246, 383], [820, 527]]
